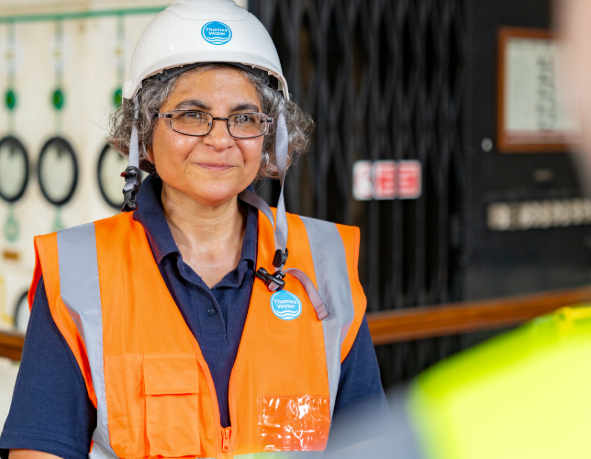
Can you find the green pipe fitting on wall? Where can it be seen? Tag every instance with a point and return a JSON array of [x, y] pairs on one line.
[[79, 15]]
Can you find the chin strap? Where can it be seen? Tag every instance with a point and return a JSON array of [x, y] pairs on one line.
[[132, 173], [275, 280]]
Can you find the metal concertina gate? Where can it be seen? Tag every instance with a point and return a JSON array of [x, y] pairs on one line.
[[383, 80]]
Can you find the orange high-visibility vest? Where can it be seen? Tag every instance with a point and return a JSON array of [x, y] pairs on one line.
[[144, 370]]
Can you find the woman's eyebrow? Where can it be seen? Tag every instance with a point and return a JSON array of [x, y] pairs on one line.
[[193, 103], [200, 105], [246, 107]]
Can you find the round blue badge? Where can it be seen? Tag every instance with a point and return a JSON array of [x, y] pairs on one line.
[[216, 33], [286, 305]]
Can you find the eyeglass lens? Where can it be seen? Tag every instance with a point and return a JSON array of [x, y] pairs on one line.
[[240, 125]]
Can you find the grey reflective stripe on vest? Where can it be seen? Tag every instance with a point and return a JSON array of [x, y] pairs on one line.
[[332, 278], [80, 291]]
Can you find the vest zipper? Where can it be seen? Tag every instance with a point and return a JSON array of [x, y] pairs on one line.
[[213, 395], [226, 434]]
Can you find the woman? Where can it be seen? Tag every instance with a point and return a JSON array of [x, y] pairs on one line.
[[197, 326]]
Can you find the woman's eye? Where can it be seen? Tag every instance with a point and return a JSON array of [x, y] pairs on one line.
[[194, 115], [244, 118]]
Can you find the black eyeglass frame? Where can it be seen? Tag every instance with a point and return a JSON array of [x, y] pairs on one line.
[[168, 115]]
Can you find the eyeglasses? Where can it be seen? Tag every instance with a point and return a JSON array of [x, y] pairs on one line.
[[196, 123]]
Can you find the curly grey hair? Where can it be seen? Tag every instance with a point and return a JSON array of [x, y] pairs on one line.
[[154, 93]]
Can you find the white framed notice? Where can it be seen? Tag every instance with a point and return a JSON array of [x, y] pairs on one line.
[[532, 114]]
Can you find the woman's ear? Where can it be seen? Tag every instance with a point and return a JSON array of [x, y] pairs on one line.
[[150, 155]]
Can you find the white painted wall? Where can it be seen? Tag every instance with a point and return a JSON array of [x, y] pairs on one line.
[[90, 78], [14, 7], [8, 372]]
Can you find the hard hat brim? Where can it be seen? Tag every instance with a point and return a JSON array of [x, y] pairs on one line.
[[130, 91]]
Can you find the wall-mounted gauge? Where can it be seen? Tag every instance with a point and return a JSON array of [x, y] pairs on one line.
[[110, 166], [58, 171], [21, 313], [14, 169]]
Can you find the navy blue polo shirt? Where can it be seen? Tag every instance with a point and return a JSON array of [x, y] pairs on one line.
[[51, 411]]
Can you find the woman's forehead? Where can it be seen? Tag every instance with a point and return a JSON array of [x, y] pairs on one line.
[[214, 84]]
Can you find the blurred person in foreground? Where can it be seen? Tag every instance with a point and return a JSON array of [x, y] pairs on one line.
[[198, 323], [526, 393]]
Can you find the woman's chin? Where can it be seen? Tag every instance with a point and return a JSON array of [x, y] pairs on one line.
[[209, 188]]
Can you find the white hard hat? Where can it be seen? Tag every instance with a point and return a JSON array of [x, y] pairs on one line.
[[202, 31]]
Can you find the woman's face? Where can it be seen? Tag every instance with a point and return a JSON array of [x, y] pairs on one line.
[[214, 168]]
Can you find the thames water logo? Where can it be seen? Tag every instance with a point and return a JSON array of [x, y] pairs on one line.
[[286, 305], [216, 33]]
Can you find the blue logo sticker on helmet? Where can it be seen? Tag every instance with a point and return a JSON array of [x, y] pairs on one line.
[[216, 33], [286, 305]]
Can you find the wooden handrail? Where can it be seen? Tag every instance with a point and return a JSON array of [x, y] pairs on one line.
[[427, 322], [435, 321], [11, 345]]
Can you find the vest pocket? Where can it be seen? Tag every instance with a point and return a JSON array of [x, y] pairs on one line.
[[293, 422], [171, 386], [125, 404]]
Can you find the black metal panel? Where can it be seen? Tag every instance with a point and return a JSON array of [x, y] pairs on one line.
[[383, 79], [505, 263]]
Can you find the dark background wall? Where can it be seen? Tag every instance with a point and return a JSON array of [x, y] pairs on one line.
[[417, 79], [503, 263]]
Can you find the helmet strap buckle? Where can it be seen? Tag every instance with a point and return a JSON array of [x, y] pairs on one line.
[[131, 188], [280, 258], [274, 281]]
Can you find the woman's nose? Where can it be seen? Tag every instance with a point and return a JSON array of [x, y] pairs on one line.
[[219, 137]]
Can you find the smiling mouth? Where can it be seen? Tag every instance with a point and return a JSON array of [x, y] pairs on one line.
[[215, 167]]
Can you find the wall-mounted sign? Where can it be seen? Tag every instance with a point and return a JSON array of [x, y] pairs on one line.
[[14, 169], [529, 215], [532, 114], [110, 165], [387, 180], [58, 171]]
